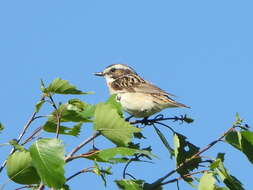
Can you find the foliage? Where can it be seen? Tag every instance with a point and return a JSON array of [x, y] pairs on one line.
[[42, 164]]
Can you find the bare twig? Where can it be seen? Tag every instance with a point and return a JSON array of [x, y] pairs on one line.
[[182, 177], [58, 116], [26, 186], [27, 125], [36, 131], [90, 169], [86, 141], [157, 118], [170, 128], [127, 164]]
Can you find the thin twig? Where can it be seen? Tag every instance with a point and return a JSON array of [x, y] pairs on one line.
[[58, 116], [182, 177], [158, 118], [26, 186], [36, 131], [178, 185], [27, 125], [127, 164], [128, 174], [86, 141], [160, 123], [158, 182], [80, 172]]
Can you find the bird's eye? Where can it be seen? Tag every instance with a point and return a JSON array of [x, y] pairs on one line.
[[113, 70]]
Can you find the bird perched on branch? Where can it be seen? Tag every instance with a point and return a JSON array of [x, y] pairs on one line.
[[137, 96]]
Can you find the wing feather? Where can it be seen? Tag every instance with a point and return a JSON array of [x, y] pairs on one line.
[[134, 83]]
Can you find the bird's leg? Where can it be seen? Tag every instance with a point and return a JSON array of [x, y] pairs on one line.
[[128, 118], [145, 121]]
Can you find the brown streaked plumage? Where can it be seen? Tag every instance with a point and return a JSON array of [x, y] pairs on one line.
[[137, 96]]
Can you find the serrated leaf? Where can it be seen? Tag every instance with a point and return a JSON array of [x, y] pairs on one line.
[[243, 141], [60, 86], [111, 155], [115, 104], [184, 150], [207, 182], [130, 184], [112, 126], [39, 105], [72, 113], [20, 169], [48, 159], [165, 142], [51, 127]]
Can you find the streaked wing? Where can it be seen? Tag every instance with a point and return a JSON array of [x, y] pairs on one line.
[[135, 83]]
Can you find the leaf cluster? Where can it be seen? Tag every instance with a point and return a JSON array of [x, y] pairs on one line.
[[42, 164]]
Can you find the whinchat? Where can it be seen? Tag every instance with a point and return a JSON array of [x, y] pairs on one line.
[[137, 96]]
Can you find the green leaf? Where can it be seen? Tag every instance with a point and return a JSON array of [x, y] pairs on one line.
[[187, 119], [48, 159], [42, 85], [110, 155], [230, 181], [1, 127], [73, 113], [130, 184], [115, 104], [184, 150], [51, 127], [207, 182], [20, 169], [16, 146], [39, 105], [165, 142], [112, 126], [243, 141], [60, 86]]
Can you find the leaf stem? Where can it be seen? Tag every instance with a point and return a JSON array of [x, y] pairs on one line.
[[86, 141]]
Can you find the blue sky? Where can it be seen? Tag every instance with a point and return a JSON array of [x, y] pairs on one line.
[[199, 50]]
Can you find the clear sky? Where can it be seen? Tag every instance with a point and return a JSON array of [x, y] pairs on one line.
[[199, 50]]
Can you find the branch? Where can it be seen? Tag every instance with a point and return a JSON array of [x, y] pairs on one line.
[[26, 186], [160, 117], [128, 163], [86, 141], [27, 125], [90, 169], [36, 131], [158, 182], [58, 116], [182, 177]]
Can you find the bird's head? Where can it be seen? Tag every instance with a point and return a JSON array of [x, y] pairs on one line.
[[115, 71]]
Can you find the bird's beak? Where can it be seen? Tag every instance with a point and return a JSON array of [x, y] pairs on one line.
[[99, 74]]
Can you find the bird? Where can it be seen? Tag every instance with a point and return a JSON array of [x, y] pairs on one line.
[[137, 96]]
